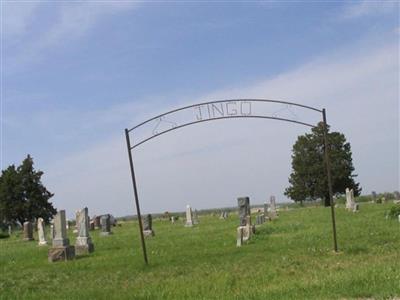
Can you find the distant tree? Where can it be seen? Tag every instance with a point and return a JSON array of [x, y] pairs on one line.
[[308, 180], [11, 199], [22, 194]]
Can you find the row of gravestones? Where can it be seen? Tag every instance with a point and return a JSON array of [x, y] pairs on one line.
[[246, 229], [61, 249], [351, 204], [147, 221]]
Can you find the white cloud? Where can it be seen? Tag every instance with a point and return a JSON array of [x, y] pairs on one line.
[[68, 22], [209, 165], [369, 8]]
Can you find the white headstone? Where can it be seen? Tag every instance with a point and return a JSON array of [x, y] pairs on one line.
[[350, 199], [189, 220], [41, 233]]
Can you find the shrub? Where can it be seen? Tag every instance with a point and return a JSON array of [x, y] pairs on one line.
[[394, 212]]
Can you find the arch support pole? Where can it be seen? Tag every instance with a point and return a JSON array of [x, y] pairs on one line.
[[128, 144], [328, 173]]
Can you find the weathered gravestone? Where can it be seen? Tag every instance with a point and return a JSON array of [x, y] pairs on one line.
[[148, 225], [83, 243], [105, 225], [172, 219], [189, 218], [244, 209], [356, 207], [41, 232], [350, 199], [61, 249], [9, 230], [28, 231], [272, 208], [239, 238], [97, 224], [396, 195], [245, 217]]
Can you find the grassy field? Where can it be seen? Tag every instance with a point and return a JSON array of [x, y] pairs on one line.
[[289, 258]]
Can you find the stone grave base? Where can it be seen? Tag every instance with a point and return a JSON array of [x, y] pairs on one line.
[[239, 237], [147, 233], [84, 249], [189, 225], [42, 243], [62, 253]]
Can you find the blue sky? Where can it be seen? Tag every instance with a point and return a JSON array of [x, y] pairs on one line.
[[74, 75]]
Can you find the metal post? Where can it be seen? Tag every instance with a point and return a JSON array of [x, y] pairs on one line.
[[128, 143], [328, 171]]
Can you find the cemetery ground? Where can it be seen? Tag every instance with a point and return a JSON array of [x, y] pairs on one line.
[[288, 258]]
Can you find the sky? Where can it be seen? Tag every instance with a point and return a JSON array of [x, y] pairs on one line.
[[75, 74]]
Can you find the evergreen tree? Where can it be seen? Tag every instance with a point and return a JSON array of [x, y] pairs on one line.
[[22, 194], [308, 180]]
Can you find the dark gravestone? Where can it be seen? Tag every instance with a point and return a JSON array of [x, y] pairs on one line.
[[28, 231], [148, 225], [105, 225], [244, 209]]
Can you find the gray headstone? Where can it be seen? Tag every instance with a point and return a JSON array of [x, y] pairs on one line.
[[265, 208], [148, 225], [396, 195], [244, 209], [9, 230], [83, 243], [61, 249], [28, 231], [105, 225], [60, 231]]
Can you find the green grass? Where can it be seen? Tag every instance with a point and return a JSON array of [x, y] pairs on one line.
[[289, 258]]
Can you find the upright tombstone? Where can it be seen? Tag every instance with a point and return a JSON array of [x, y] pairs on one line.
[[105, 225], [97, 224], [83, 243], [239, 237], [350, 199], [41, 232], [28, 231], [356, 208], [195, 217], [9, 230], [172, 219], [189, 217], [272, 208], [245, 217], [265, 208], [148, 225], [396, 195], [61, 249], [244, 209]]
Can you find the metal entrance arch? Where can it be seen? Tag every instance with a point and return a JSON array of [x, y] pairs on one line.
[[219, 110]]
